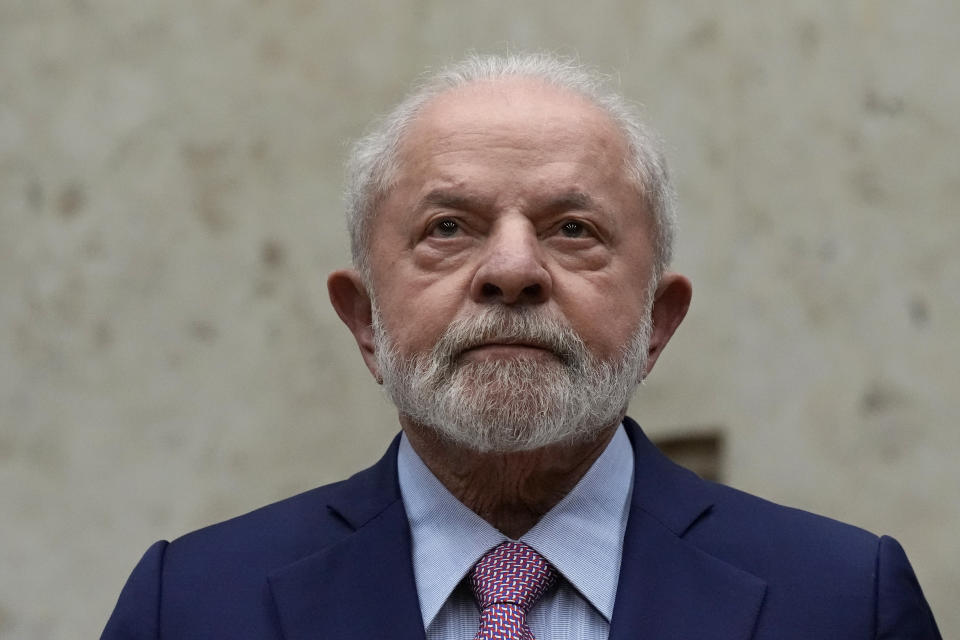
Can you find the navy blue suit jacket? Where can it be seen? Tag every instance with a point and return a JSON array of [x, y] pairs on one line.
[[700, 561]]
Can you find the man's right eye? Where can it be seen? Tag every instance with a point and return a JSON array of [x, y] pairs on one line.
[[446, 227]]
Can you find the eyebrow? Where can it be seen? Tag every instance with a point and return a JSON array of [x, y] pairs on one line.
[[446, 199], [573, 200]]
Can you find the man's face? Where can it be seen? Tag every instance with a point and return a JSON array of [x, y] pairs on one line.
[[512, 201]]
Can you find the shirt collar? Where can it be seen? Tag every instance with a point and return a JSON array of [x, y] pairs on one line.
[[582, 536]]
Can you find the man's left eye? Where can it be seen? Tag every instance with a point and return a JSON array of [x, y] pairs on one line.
[[573, 229], [446, 227]]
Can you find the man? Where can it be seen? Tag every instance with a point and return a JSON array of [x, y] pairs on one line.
[[512, 226]]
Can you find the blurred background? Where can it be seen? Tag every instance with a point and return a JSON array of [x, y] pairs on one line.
[[170, 177]]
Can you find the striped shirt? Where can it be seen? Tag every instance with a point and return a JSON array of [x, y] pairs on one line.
[[582, 537]]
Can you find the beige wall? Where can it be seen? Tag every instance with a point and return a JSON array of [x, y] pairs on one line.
[[170, 176]]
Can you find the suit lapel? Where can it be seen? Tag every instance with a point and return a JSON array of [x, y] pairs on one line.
[[362, 586], [668, 587]]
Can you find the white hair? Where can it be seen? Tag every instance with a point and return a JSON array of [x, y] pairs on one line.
[[373, 162]]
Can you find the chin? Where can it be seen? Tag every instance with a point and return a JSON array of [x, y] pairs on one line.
[[510, 415]]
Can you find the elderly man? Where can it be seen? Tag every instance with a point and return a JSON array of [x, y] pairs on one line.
[[512, 227]]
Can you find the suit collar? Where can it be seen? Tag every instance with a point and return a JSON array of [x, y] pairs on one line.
[[668, 587], [671, 589], [363, 585], [672, 495], [366, 494]]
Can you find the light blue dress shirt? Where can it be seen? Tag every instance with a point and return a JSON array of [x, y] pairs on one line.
[[582, 537]]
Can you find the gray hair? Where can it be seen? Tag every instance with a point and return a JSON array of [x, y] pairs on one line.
[[373, 162]]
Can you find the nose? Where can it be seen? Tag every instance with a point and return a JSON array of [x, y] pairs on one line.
[[512, 270]]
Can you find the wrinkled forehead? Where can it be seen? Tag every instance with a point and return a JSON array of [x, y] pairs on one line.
[[526, 113]]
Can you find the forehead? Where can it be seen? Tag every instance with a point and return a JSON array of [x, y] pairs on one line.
[[523, 120], [512, 135]]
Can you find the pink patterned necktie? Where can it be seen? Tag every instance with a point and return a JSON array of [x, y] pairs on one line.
[[507, 581]]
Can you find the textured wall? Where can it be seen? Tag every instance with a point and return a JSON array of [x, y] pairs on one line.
[[170, 176]]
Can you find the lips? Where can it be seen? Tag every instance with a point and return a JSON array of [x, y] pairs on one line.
[[509, 348], [506, 342]]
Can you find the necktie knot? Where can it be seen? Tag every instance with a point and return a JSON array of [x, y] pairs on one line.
[[507, 581]]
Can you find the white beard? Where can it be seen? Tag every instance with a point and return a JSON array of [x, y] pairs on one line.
[[513, 404]]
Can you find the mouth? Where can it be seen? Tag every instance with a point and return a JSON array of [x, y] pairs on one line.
[[508, 349]]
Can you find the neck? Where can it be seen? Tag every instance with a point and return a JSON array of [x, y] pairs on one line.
[[513, 490]]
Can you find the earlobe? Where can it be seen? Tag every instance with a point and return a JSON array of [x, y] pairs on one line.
[[670, 303], [351, 301]]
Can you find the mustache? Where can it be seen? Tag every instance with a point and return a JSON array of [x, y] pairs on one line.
[[498, 324]]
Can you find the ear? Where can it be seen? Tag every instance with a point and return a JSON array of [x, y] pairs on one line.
[[350, 299], [670, 303]]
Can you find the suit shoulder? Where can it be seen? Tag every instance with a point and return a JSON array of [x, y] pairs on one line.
[[762, 535], [210, 569], [310, 505], [842, 574], [762, 514], [287, 529], [225, 567], [296, 526]]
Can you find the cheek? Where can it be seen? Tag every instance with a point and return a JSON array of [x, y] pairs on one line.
[[416, 315], [604, 311]]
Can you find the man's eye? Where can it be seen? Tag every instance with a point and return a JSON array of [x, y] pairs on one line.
[[446, 228], [573, 229]]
